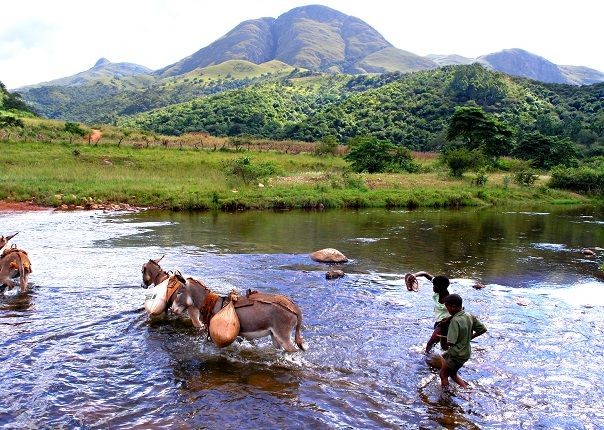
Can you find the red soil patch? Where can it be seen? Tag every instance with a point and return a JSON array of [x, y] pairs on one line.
[[20, 207], [95, 136]]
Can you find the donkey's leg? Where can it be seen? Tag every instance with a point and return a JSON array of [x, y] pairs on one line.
[[284, 340], [23, 282]]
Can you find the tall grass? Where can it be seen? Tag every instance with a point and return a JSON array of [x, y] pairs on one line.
[[190, 178]]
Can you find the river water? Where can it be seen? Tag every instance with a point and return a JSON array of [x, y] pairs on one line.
[[78, 350]]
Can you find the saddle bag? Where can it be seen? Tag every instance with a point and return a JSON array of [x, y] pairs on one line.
[[224, 326], [156, 299]]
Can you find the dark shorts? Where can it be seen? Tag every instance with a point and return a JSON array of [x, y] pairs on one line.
[[444, 325], [452, 364]]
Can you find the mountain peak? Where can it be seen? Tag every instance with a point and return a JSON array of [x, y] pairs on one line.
[[315, 12], [102, 62], [519, 62]]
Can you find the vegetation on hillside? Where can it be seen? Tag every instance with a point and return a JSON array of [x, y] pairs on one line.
[[412, 110], [12, 103], [106, 100]]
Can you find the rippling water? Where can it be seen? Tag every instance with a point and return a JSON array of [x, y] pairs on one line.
[[78, 350]]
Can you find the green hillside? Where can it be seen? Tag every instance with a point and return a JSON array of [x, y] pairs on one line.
[[103, 70], [105, 100], [410, 109], [11, 104]]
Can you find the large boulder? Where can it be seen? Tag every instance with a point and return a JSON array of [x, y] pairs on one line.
[[328, 255]]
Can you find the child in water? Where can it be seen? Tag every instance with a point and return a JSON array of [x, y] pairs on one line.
[[440, 289], [463, 327]]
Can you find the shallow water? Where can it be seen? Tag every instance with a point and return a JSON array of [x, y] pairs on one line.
[[78, 350]]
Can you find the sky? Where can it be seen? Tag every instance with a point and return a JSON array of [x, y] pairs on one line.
[[42, 40]]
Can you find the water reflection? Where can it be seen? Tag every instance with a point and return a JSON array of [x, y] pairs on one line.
[[15, 301]]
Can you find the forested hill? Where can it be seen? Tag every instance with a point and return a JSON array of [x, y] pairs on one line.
[[11, 103], [410, 109]]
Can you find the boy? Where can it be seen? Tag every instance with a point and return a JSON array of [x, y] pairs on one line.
[[440, 288], [463, 327]]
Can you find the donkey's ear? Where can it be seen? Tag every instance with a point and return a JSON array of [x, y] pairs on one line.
[[179, 276]]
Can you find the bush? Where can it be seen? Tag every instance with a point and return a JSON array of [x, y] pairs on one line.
[[10, 121], [525, 178], [368, 154], [512, 164], [248, 172], [327, 146], [584, 179], [546, 151], [460, 160], [481, 178], [402, 161]]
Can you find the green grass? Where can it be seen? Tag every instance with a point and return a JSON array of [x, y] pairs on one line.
[[197, 179]]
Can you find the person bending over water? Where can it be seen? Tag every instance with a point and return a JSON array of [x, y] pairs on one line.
[[463, 327]]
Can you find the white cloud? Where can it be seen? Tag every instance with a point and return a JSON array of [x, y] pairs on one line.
[[43, 40]]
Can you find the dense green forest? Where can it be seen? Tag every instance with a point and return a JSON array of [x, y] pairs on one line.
[[12, 103], [412, 110]]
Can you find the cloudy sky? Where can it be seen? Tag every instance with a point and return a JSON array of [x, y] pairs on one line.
[[41, 40]]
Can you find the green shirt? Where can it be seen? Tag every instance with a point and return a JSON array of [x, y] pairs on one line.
[[461, 327], [440, 310]]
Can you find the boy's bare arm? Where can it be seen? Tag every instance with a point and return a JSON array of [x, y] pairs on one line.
[[478, 333], [424, 274]]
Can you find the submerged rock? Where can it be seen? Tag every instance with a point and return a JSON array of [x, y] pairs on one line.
[[334, 274]]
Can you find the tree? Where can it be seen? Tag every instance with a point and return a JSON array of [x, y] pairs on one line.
[[74, 129], [545, 151], [480, 130], [368, 154], [460, 160], [327, 146], [474, 82], [10, 121], [371, 155], [12, 101]]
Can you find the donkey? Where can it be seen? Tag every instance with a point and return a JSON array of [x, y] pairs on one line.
[[4, 240], [259, 314], [153, 274], [14, 262]]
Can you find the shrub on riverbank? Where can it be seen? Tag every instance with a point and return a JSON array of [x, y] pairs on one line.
[[584, 179]]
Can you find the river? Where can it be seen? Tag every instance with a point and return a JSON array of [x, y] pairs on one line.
[[78, 350]]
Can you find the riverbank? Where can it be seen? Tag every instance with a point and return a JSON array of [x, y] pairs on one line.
[[80, 176]]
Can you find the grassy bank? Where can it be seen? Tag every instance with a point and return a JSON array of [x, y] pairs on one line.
[[195, 178]]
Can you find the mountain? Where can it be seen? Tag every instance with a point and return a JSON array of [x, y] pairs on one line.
[[102, 69], [518, 62], [303, 42], [580, 75], [312, 37], [450, 60]]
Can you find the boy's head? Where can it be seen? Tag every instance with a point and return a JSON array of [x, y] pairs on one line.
[[440, 284], [453, 303]]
